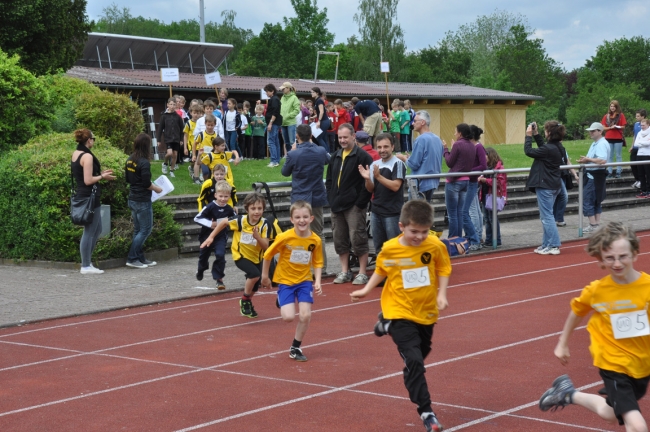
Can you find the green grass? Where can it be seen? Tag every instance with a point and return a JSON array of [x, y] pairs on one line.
[[250, 171]]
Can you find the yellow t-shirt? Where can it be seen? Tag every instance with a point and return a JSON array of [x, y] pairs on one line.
[[297, 255], [189, 130], [411, 288], [629, 356], [243, 243], [212, 159], [344, 154]]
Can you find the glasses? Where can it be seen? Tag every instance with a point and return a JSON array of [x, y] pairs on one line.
[[613, 259]]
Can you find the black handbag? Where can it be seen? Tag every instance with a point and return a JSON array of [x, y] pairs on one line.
[[82, 210]]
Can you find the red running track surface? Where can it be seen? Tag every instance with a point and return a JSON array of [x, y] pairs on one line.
[[199, 365]]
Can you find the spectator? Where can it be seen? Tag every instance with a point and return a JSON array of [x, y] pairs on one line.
[[493, 163], [472, 212], [404, 128], [459, 159], [87, 172], [369, 114], [642, 142], [427, 155], [362, 141], [273, 122], [304, 112], [563, 197], [223, 98], [322, 121], [593, 189], [348, 199], [545, 179], [640, 115], [385, 180], [411, 111], [290, 108], [305, 165], [614, 127], [138, 176]]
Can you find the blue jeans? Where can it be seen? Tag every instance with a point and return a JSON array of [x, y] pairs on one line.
[[455, 201], [274, 144], [142, 214], [589, 207], [476, 215], [487, 216], [289, 136], [545, 201], [383, 228], [468, 226], [618, 149], [322, 139], [560, 204], [232, 142]]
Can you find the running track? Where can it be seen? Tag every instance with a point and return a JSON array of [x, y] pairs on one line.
[[199, 365]]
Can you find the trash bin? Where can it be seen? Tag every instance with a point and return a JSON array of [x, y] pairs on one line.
[[105, 212]]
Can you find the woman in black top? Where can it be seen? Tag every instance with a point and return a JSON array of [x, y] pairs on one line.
[[274, 122], [87, 173], [322, 121]]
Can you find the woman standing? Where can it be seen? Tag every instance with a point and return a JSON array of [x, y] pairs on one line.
[[274, 122], [472, 210], [545, 179], [138, 176], [322, 121], [614, 122], [87, 173], [289, 109]]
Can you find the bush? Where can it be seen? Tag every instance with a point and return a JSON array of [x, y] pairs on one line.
[[35, 180], [64, 90], [25, 108], [110, 115]]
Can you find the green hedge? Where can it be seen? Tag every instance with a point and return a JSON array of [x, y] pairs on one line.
[[35, 204]]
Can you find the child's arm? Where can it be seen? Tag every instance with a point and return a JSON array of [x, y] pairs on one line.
[[263, 242], [443, 281], [266, 281], [236, 154], [318, 271], [185, 142], [562, 348], [375, 279], [220, 226]]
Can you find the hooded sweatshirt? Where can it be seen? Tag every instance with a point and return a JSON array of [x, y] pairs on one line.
[[643, 142], [289, 109]]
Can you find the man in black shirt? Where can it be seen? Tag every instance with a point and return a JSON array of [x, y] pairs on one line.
[[370, 115]]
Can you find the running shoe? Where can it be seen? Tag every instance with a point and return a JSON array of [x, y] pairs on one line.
[[539, 249], [220, 285], [559, 395], [164, 168], [199, 274], [550, 251], [90, 270], [590, 228], [171, 174], [297, 355], [343, 277], [382, 326], [136, 264], [360, 279], [246, 308], [431, 422]]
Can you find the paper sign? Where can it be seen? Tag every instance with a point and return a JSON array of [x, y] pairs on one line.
[[169, 75], [384, 67], [263, 95], [166, 186], [315, 130], [630, 324], [212, 78]]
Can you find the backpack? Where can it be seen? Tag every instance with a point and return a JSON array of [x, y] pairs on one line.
[[456, 246]]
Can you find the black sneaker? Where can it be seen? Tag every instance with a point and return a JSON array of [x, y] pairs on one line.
[[277, 303], [603, 391], [220, 285], [381, 328], [246, 308], [199, 274], [297, 355], [431, 422], [559, 395]]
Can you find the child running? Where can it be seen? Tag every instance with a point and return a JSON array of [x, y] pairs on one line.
[[209, 188], [215, 212], [250, 239], [299, 249], [218, 156], [619, 331], [417, 268]]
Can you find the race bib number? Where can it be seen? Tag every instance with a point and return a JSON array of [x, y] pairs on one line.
[[416, 278], [221, 220], [247, 238], [630, 324], [300, 257]]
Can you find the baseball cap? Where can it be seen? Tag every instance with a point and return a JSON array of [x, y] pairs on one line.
[[362, 136], [286, 84], [596, 126]]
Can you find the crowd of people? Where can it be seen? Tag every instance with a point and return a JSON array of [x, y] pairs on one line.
[[365, 174]]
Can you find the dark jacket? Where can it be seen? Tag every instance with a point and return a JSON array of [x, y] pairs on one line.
[[351, 189], [138, 176], [171, 124], [273, 109], [545, 172], [305, 165], [460, 158]]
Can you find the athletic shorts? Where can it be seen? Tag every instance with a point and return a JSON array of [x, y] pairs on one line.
[[623, 392], [251, 270], [174, 146], [304, 292]]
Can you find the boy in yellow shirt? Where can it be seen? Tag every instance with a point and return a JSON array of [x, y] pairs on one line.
[[417, 268], [188, 136], [299, 249], [218, 156], [619, 331], [209, 188]]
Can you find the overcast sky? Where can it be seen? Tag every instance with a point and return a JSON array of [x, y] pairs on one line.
[[571, 29]]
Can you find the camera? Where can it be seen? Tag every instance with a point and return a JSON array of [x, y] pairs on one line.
[[533, 125]]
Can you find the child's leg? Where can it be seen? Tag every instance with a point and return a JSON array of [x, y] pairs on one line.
[[304, 311], [414, 343], [595, 404], [168, 156], [174, 156], [219, 265]]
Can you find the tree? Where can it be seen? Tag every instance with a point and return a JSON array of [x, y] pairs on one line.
[[47, 34], [447, 66]]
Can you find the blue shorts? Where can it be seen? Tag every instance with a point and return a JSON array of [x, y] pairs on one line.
[[304, 292]]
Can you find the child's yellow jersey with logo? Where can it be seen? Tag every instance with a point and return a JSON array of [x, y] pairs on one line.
[[297, 256], [244, 245]]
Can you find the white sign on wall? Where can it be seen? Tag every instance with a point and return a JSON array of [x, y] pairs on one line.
[[212, 78], [169, 75], [385, 68]]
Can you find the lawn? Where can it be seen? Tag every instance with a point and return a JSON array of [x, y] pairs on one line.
[[250, 171]]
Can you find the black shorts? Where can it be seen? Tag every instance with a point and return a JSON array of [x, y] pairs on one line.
[[251, 270], [174, 146], [623, 392]]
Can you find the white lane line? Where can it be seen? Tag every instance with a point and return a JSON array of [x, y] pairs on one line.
[[511, 410]]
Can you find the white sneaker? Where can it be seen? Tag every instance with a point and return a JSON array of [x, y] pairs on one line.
[[539, 249], [149, 263], [201, 178], [637, 185], [271, 165], [550, 251], [164, 168], [191, 170], [171, 174], [91, 270]]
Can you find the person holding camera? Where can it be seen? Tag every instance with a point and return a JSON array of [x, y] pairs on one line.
[[545, 178]]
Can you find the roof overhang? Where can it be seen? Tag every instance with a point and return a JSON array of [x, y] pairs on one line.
[[113, 51]]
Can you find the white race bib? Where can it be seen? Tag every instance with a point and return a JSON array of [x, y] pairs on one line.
[[247, 238], [300, 257], [416, 278], [630, 324], [220, 220]]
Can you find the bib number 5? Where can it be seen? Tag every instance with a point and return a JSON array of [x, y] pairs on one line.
[[416, 278], [630, 324]]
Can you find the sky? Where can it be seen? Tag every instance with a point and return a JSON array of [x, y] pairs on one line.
[[571, 29]]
